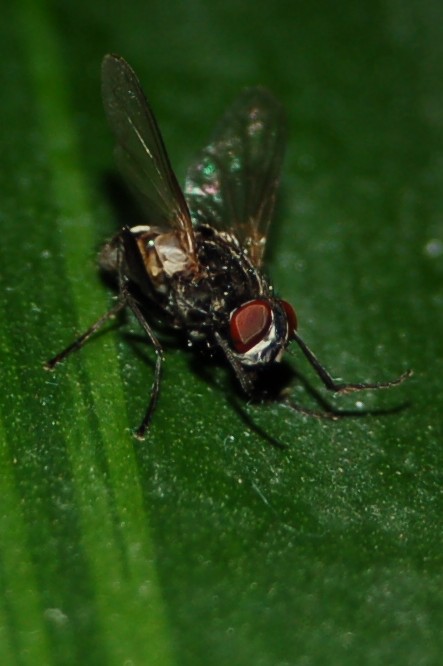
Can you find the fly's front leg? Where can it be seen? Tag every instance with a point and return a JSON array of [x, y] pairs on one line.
[[132, 303], [245, 380], [340, 387]]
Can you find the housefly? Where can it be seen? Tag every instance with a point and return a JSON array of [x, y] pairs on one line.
[[197, 262]]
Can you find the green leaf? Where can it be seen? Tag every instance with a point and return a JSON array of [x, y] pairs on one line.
[[237, 533]]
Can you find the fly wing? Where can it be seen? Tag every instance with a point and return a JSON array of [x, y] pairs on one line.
[[140, 150], [233, 183]]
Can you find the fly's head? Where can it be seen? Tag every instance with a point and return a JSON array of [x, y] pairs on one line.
[[260, 330]]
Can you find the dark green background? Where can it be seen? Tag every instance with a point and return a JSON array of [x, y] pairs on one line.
[[207, 544]]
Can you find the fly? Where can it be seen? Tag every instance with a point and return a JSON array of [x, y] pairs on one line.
[[197, 263]]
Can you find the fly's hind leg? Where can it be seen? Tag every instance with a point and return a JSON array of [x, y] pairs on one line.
[[83, 339]]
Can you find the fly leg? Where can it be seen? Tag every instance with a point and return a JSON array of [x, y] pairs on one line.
[[340, 387], [129, 300], [245, 380], [83, 339]]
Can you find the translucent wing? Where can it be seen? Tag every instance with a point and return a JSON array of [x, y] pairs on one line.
[[233, 183], [140, 150]]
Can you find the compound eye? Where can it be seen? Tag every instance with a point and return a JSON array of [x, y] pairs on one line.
[[249, 324], [290, 316]]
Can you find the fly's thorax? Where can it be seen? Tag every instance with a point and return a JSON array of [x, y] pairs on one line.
[[226, 280], [171, 255], [163, 253], [260, 330], [228, 271]]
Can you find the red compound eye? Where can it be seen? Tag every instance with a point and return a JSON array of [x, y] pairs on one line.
[[290, 315], [249, 324]]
